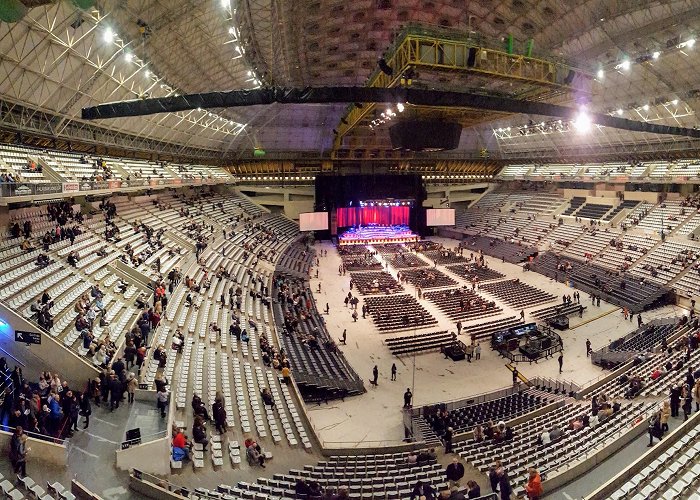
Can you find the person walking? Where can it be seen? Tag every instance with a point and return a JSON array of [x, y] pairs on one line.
[[639, 320], [588, 348], [459, 328], [219, 416], [515, 375], [393, 372], [375, 375], [561, 361], [344, 337]]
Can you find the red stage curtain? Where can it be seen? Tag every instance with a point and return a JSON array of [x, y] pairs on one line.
[[384, 216]]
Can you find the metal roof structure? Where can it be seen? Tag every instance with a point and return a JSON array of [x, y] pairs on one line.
[[58, 59]]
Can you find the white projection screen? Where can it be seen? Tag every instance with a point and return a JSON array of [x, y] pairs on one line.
[[313, 221], [440, 217]]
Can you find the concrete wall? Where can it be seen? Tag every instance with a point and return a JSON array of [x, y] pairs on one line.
[[36, 358], [151, 457], [293, 200], [40, 451], [151, 490]]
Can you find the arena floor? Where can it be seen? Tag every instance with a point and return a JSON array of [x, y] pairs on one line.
[[375, 418]]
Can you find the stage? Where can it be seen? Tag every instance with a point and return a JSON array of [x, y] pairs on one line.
[[375, 234]]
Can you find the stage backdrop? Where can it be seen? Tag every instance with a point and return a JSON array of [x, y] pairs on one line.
[[385, 216]]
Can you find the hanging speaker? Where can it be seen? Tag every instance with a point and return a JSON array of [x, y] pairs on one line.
[[471, 58]]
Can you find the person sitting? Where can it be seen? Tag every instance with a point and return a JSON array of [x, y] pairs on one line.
[[199, 408], [199, 432], [254, 455], [267, 397], [473, 489], [180, 448]]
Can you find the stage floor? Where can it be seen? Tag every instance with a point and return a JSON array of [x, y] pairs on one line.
[[377, 235]]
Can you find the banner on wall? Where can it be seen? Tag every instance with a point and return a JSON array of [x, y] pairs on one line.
[[71, 187]]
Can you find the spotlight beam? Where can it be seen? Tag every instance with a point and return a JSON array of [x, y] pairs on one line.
[[331, 95]]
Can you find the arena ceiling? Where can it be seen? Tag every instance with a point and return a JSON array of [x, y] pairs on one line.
[[58, 59]]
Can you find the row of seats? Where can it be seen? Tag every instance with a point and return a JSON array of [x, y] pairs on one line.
[[517, 294]]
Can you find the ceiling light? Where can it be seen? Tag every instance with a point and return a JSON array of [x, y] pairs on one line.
[[148, 73], [582, 123], [645, 107], [399, 106], [388, 111], [619, 111], [625, 64], [109, 35], [655, 54], [600, 74], [232, 31], [674, 102], [250, 73], [129, 56], [199, 109], [226, 4], [690, 42]]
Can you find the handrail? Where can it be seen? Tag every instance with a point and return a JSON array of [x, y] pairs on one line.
[[17, 361]]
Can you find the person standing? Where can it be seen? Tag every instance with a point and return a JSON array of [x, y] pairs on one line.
[[454, 472], [459, 328], [477, 352], [515, 375], [561, 361], [393, 372], [588, 348], [162, 401], [639, 320], [654, 429], [447, 437], [522, 315], [407, 396], [344, 337], [675, 400], [375, 375], [18, 451], [533, 487], [85, 408], [131, 384], [219, 416]]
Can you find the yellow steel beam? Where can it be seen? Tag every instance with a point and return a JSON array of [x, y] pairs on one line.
[[445, 54]]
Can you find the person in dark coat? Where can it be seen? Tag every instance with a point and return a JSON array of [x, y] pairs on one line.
[[219, 416], [447, 437], [85, 408], [655, 430], [422, 489], [675, 400], [116, 390], [454, 472]]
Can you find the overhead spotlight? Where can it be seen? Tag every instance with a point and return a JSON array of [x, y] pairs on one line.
[[399, 106], [600, 74], [389, 111], [199, 109], [226, 4], [232, 31], [582, 123], [619, 111], [626, 64], [108, 35], [386, 69], [129, 56], [147, 73], [674, 102], [645, 107], [690, 42], [655, 54]]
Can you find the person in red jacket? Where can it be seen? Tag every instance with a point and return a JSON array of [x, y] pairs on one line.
[[533, 487]]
